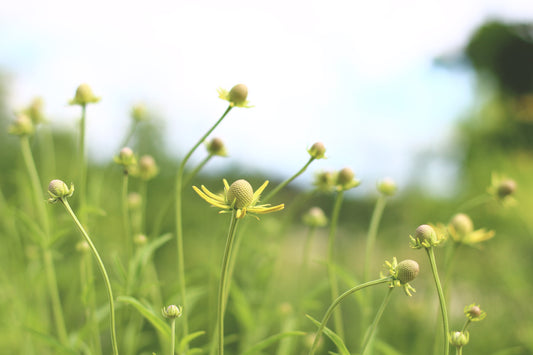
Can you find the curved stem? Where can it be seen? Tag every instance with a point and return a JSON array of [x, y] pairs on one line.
[[286, 182], [179, 223], [102, 270], [222, 286], [332, 276], [370, 333], [372, 233], [336, 302], [196, 170], [442, 300]]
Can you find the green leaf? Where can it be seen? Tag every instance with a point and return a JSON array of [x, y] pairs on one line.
[[149, 314], [186, 340], [385, 348], [271, 340], [332, 336]]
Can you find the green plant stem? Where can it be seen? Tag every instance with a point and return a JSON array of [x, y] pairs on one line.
[[222, 286], [370, 333], [459, 350], [102, 270], [179, 222], [87, 279], [467, 323], [336, 302], [82, 160], [128, 136], [172, 336], [372, 233], [288, 181], [442, 300], [476, 201], [51, 278], [125, 215], [144, 196], [332, 276], [196, 170]]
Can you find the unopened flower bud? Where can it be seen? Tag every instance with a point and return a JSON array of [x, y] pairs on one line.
[[459, 339], [474, 313], [387, 187], [241, 193], [84, 95], [325, 181], [216, 147], [172, 311], [22, 126], [35, 110], [147, 168], [407, 271], [126, 158], [134, 200], [57, 190], [139, 113], [317, 150], [238, 95], [426, 233], [140, 239], [346, 179], [315, 217]]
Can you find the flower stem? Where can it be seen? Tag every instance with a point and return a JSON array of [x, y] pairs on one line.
[[102, 270], [372, 233], [332, 276], [442, 300], [474, 202], [179, 223], [172, 336], [372, 329], [288, 181], [336, 302], [51, 278], [82, 160], [197, 169], [125, 215], [222, 286]]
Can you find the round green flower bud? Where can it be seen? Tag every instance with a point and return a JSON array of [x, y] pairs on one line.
[[147, 167], [317, 150], [216, 147], [134, 201], [139, 113], [506, 188], [459, 339], [325, 181], [387, 187], [238, 94], [84, 95], [140, 239], [241, 192], [22, 126], [474, 311], [407, 271], [35, 110], [172, 311], [345, 176], [59, 189], [462, 224], [315, 217], [426, 232]]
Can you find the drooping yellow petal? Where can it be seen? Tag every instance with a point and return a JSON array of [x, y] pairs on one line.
[[262, 209], [211, 201], [219, 198]]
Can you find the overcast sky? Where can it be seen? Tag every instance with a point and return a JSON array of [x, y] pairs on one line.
[[357, 75]]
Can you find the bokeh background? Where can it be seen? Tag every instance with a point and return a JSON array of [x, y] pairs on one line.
[[437, 95]]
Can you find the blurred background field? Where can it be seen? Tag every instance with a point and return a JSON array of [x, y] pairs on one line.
[[442, 156]]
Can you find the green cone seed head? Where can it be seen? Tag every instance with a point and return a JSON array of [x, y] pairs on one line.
[[426, 233], [238, 94], [506, 188], [84, 95], [241, 192], [317, 150], [462, 224], [22, 126], [407, 271], [172, 311], [387, 187]]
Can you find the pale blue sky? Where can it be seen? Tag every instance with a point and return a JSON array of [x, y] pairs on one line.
[[357, 75]]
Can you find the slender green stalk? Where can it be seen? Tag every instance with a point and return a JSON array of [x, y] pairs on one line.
[[222, 286], [306, 254], [51, 278], [102, 270], [459, 350], [82, 160], [179, 222], [372, 232], [336, 302], [288, 181], [370, 333], [172, 336], [196, 170], [143, 193], [128, 136], [442, 300], [332, 276], [474, 202], [125, 215], [87, 279]]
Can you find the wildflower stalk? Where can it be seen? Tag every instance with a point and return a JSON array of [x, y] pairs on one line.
[[372, 232], [442, 300], [179, 223], [336, 302], [222, 286], [172, 336], [50, 272], [370, 333], [197, 169], [288, 181], [87, 278], [125, 215], [332, 276], [102, 270], [82, 185]]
